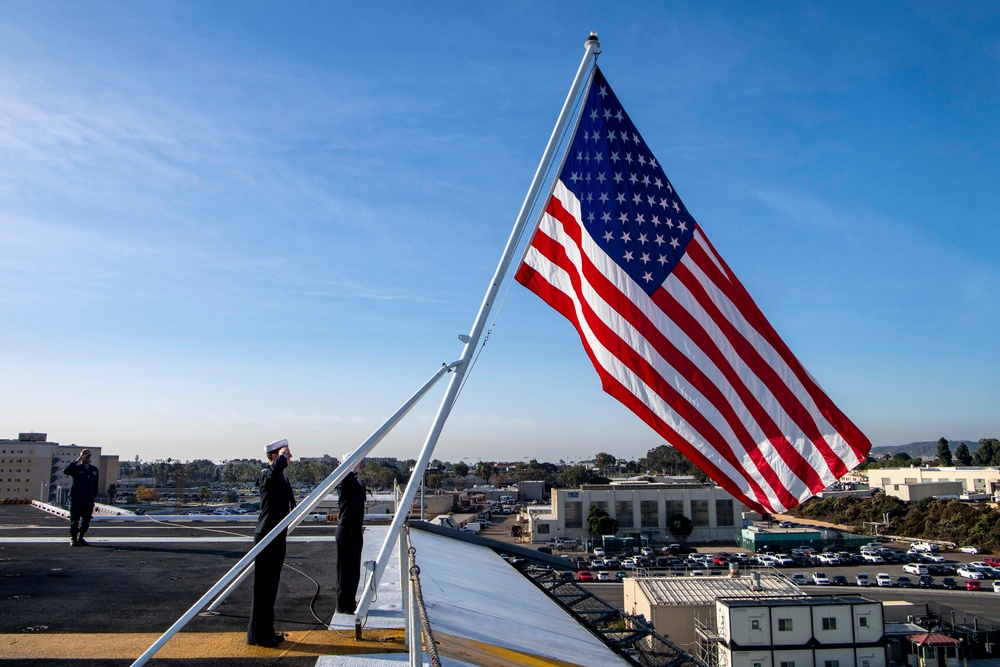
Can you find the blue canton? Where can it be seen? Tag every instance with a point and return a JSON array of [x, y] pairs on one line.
[[629, 206]]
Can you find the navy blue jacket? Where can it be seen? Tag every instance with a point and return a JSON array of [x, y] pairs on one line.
[[84, 482], [352, 501], [276, 497]]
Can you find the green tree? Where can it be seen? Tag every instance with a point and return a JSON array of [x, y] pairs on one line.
[[944, 452], [232, 496], [988, 453], [461, 469], [601, 523], [605, 462], [575, 476], [146, 495], [204, 493], [680, 526], [485, 470], [963, 456], [112, 492]]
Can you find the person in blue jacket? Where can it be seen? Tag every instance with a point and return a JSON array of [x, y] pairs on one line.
[[81, 497], [349, 536], [276, 501]]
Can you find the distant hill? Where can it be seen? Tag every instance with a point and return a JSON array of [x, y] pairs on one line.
[[922, 449]]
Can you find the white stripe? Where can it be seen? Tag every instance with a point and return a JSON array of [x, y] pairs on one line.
[[610, 363], [773, 359]]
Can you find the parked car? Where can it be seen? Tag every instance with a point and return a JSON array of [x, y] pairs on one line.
[[585, 575], [973, 585], [820, 579], [783, 560], [599, 552], [993, 561], [861, 579], [969, 573], [839, 580], [933, 558], [925, 581], [969, 550], [915, 568], [883, 579], [620, 575], [872, 558], [829, 559], [799, 579], [646, 551], [603, 575], [904, 582], [996, 586]]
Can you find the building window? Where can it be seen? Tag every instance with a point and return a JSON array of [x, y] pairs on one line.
[[649, 514], [929, 653], [755, 624], [788, 663], [758, 664], [950, 651], [543, 528], [699, 512], [831, 663], [866, 662], [574, 515], [672, 507], [829, 624], [623, 513], [784, 625], [600, 504], [724, 512], [863, 621]]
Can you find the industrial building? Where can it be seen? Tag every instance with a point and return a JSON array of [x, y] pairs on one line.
[[31, 468]]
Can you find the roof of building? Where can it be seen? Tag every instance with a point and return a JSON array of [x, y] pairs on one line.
[[706, 590], [801, 601], [932, 639]]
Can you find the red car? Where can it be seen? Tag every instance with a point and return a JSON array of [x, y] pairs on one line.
[[587, 575], [973, 585]]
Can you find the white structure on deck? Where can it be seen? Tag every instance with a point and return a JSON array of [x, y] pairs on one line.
[[805, 632]]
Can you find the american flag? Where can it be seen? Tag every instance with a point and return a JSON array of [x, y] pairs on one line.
[[671, 331]]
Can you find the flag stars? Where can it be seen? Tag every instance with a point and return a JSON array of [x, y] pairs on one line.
[[604, 92], [650, 199], [648, 277], [664, 203], [674, 243], [659, 240], [627, 256], [658, 183], [606, 217], [682, 226], [598, 157], [614, 157], [623, 218], [574, 177], [608, 236], [628, 158], [633, 179], [611, 135], [662, 260], [656, 221], [645, 179], [636, 198], [593, 115], [642, 237], [601, 177], [642, 160], [607, 114], [644, 259], [620, 198], [603, 198], [626, 237], [677, 207], [618, 177]]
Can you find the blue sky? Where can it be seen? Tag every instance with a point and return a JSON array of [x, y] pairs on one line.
[[222, 222]]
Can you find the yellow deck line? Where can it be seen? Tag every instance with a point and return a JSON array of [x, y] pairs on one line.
[[191, 645]]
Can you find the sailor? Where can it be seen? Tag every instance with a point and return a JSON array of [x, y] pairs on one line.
[[276, 501], [81, 497], [347, 556]]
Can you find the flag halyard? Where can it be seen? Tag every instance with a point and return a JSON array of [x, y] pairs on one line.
[[671, 331]]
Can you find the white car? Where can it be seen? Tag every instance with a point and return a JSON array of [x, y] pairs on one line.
[[915, 568], [784, 560], [873, 558], [996, 586], [861, 579], [599, 552], [969, 573], [646, 551], [820, 579], [603, 575], [829, 559], [969, 550], [934, 558], [883, 579]]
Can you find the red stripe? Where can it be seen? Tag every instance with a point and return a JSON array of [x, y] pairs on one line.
[[751, 313], [687, 323], [851, 434], [562, 303], [635, 363], [680, 362]]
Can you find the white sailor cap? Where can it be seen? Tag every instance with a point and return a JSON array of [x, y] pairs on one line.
[[275, 446], [347, 456]]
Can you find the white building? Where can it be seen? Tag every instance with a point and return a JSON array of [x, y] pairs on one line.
[[803, 632], [940, 481], [641, 508]]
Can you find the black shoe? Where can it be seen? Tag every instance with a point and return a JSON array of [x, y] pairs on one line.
[[73, 542], [266, 643], [279, 637], [82, 543]]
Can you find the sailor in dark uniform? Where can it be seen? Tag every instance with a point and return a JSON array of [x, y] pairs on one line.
[[81, 497], [276, 501], [347, 557]]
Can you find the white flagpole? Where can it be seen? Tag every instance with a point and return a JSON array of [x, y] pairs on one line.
[[583, 74]]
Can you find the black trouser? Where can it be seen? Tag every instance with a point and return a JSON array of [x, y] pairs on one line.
[[347, 564], [266, 575], [79, 517]]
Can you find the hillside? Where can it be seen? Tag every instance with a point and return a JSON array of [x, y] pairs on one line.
[[921, 449]]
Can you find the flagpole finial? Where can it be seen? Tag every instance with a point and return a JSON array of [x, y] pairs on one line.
[[593, 43]]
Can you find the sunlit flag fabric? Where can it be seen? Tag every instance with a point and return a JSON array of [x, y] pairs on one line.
[[671, 331]]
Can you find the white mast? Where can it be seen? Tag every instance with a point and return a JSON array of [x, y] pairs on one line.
[[583, 74]]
